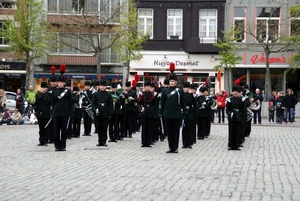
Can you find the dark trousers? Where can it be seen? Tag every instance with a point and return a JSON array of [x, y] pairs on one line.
[[87, 123], [114, 127], [248, 128], [156, 129], [147, 130], [70, 129], [243, 132], [131, 122], [201, 127], [187, 133], [76, 126], [60, 132], [172, 128], [102, 124], [234, 134], [221, 114], [207, 125], [257, 116], [43, 132], [124, 125], [20, 107]]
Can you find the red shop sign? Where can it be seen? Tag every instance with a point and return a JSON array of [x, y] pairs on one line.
[[255, 59]]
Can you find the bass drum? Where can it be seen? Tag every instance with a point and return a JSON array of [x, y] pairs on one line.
[[249, 114], [255, 105]]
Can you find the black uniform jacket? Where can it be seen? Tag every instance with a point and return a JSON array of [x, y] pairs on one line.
[[42, 104], [147, 102], [173, 103], [102, 101], [61, 102]]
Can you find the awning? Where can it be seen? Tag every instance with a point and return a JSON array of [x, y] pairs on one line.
[[7, 72], [72, 76]]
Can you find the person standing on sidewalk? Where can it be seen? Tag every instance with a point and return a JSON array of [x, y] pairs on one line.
[[289, 103], [221, 97], [62, 108], [257, 113], [173, 109]]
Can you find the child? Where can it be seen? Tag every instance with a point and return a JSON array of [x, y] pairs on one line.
[[6, 117], [271, 110], [279, 113]]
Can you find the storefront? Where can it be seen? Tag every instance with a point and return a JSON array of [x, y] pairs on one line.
[[198, 67], [12, 75]]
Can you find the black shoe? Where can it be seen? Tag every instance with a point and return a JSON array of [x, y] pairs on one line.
[[143, 145], [170, 151], [230, 148], [110, 140], [201, 138], [184, 147], [63, 149], [57, 149], [148, 146], [121, 139], [86, 135], [175, 151], [190, 147], [241, 145], [69, 138], [104, 145], [50, 142], [130, 136], [98, 145]]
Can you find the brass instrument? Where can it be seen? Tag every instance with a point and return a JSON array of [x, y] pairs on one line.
[[255, 105]]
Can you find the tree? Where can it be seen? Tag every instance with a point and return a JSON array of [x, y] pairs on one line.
[[228, 53], [130, 45], [265, 34], [26, 33], [96, 27]]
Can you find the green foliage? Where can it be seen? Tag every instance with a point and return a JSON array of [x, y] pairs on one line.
[[228, 52], [130, 43]]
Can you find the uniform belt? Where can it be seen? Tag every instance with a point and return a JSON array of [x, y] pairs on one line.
[[149, 105], [189, 107], [236, 110], [102, 104]]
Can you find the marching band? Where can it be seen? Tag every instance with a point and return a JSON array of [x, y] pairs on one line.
[[159, 111]]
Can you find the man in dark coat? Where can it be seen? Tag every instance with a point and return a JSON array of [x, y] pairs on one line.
[[42, 110], [86, 104], [114, 123], [235, 108], [102, 104], [77, 113], [173, 109], [62, 107]]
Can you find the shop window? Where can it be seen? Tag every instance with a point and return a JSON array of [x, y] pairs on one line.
[[268, 24], [208, 25], [174, 24], [240, 24], [145, 22]]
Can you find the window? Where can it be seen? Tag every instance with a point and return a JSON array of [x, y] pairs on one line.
[[81, 44], [174, 24], [208, 25], [295, 26], [2, 39], [109, 10], [240, 23], [145, 22], [267, 23], [6, 4]]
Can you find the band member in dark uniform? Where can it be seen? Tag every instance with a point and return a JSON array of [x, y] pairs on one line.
[[189, 122], [42, 110], [203, 115], [102, 104], [114, 133], [147, 110], [77, 113], [130, 102], [193, 90], [62, 107], [86, 104], [173, 109], [53, 85], [235, 108], [70, 129]]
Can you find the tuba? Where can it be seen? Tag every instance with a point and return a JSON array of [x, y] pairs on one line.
[[249, 114], [89, 111], [255, 105]]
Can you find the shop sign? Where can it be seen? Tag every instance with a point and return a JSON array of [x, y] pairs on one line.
[[262, 59], [177, 63], [4, 67]]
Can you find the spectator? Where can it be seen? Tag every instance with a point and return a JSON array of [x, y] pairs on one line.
[[289, 103], [221, 97], [20, 101], [6, 117], [271, 110], [30, 96], [279, 110], [273, 98], [16, 117], [257, 113], [3, 100]]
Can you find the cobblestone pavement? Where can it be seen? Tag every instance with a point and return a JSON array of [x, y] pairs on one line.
[[267, 168]]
